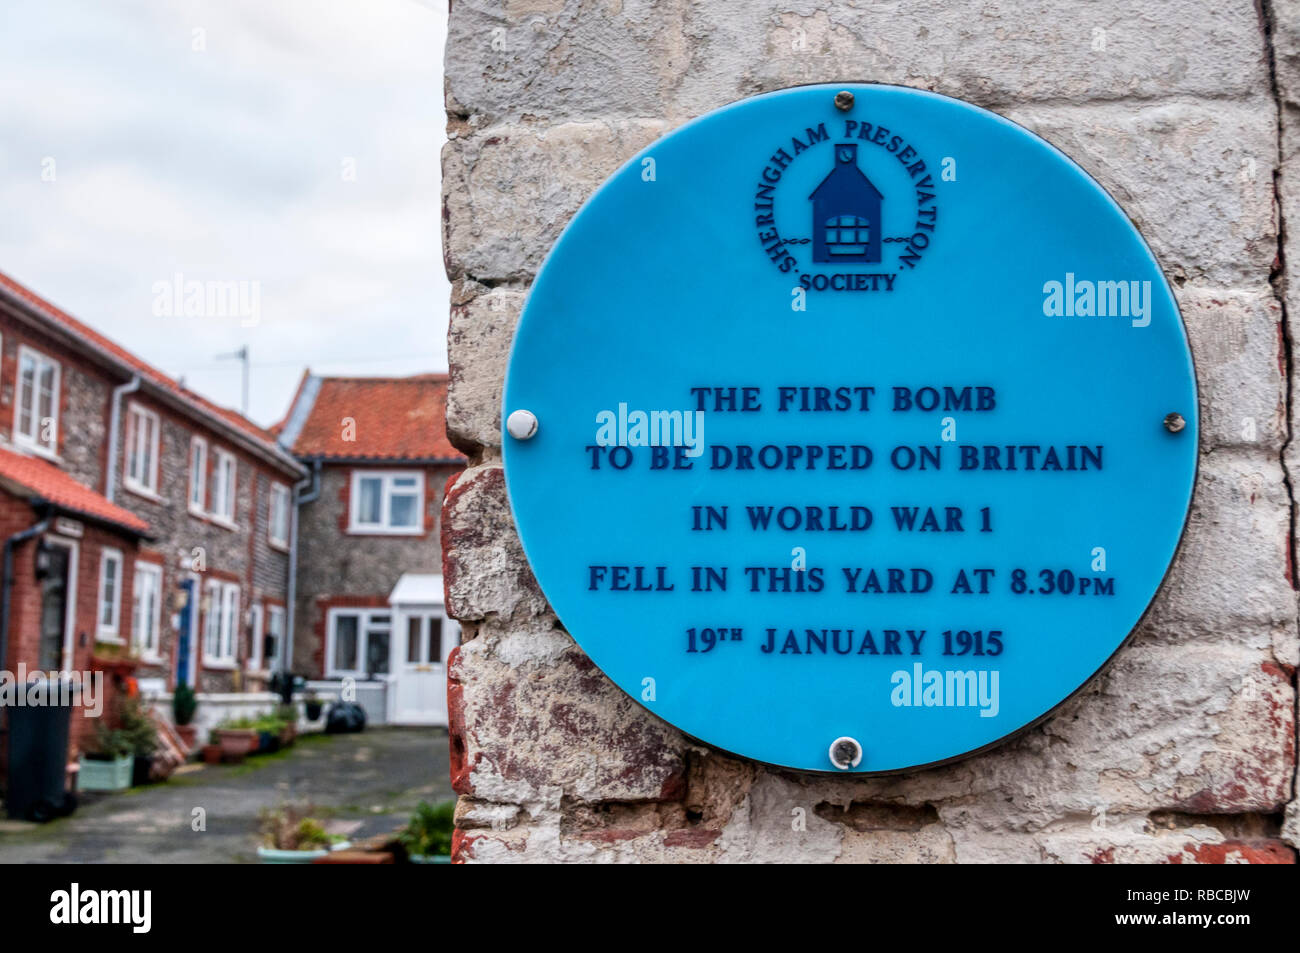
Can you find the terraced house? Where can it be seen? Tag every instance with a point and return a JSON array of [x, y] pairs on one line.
[[147, 530], [369, 595]]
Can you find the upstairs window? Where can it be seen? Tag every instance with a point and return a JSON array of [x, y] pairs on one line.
[[223, 486], [36, 410], [198, 474], [389, 502], [141, 450], [278, 515]]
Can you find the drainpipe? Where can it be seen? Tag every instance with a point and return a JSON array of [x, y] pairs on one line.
[[6, 585], [299, 498], [114, 421]]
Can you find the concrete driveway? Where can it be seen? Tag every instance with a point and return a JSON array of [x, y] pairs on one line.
[[364, 785]]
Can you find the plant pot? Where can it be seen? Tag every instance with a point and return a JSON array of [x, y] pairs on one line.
[[268, 741], [312, 710], [212, 754], [188, 734], [236, 742], [97, 774], [273, 855], [288, 734], [141, 768]]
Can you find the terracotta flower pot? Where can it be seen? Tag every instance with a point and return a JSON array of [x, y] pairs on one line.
[[188, 734], [236, 742], [212, 754]]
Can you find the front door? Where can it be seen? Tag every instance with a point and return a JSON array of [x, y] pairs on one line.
[[55, 590], [420, 684]]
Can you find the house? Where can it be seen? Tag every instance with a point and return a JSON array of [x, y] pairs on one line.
[[146, 528], [368, 609], [846, 212]]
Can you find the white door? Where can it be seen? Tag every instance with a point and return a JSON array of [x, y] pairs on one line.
[[421, 642]]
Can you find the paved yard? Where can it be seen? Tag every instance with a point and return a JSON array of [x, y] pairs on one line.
[[366, 784]]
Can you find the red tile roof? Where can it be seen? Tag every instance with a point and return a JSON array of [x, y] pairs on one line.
[[397, 418], [36, 479], [70, 324]]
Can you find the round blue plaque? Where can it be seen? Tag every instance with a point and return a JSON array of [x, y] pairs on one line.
[[850, 428]]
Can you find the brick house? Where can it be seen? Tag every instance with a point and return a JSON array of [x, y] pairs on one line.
[[369, 602], [149, 528]]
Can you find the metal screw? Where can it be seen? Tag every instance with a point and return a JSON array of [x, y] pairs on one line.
[[522, 424], [1174, 422], [844, 100], [845, 753]]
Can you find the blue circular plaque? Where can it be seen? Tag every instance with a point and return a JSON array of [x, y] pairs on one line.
[[850, 428]]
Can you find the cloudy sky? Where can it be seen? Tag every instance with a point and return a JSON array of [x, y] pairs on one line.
[[289, 145]]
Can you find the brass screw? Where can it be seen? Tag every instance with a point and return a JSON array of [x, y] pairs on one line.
[[844, 100], [1174, 422]]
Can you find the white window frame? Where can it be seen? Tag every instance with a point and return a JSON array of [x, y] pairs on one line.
[[222, 621], [254, 663], [280, 493], [364, 624], [134, 414], [383, 527], [33, 441], [198, 482], [109, 631], [145, 571], [274, 612], [221, 492]]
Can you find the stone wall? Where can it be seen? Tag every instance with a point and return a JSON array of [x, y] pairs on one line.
[[1183, 750]]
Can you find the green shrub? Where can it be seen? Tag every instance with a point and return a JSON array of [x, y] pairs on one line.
[[184, 704], [429, 830]]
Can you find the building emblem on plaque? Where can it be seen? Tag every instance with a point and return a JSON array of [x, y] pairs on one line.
[[846, 212], [824, 219]]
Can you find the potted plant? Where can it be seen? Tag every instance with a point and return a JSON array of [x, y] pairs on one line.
[[108, 766], [184, 705], [212, 750], [312, 706], [427, 838], [236, 737], [142, 737], [288, 715], [290, 835], [268, 729]]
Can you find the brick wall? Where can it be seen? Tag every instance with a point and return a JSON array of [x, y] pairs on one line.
[[1184, 750]]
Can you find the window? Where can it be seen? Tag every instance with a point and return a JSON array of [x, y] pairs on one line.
[[387, 502], [36, 411], [198, 474], [358, 643], [110, 593], [147, 609], [141, 450], [223, 486], [274, 639], [253, 657], [847, 235], [278, 517], [220, 623]]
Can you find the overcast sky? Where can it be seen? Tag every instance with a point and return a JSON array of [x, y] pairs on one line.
[[288, 144]]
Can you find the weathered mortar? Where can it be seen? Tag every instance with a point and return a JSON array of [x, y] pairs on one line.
[[1184, 749]]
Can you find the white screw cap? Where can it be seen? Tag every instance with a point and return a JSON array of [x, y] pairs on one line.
[[522, 424], [845, 753]]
